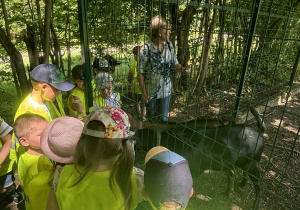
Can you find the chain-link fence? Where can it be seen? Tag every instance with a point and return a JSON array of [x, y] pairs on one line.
[[234, 55]]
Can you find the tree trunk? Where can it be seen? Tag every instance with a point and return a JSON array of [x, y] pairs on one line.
[[29, 38], [220, 53], [183, 53], [14, 73], [174, 22], [16, 60], [4, 12], [46, 42], [208, 35], [207, 50], [67, 38], [38, 10], [57, 50]]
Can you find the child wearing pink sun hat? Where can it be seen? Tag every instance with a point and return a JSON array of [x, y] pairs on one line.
[[102, 176]]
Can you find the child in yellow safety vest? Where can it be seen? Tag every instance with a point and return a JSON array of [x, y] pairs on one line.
[[104, 94], [58, 142], [28, 128], [134, 84], [76, 100], [7, 187], [102, 176], [45, 98]]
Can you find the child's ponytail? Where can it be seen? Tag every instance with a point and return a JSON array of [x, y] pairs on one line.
[[123, 171]]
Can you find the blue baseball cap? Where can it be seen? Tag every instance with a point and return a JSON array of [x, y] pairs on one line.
[[167, 177], [52, 75]]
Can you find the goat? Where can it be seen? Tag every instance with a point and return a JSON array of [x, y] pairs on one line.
[[223, 148]]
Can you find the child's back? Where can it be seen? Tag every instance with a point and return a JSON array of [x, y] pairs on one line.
[[102, 176], [93, 192]]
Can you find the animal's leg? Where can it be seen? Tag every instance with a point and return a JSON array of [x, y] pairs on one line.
[[254, 175], [229, 174]]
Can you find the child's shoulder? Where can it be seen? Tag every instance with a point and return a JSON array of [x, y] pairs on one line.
[[4, 128], [28, 105], [28, 157]]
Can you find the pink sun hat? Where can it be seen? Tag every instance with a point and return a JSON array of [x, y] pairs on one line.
[[60, 137]]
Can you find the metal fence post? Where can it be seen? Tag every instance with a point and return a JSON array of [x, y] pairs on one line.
[[255, 11], [85, 52]]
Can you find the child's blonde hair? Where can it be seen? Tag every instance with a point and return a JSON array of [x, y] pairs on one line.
[[35, 84], [91, 151], [25, 123]]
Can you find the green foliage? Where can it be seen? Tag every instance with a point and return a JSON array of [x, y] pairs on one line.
[[9, 102], [5, 73]]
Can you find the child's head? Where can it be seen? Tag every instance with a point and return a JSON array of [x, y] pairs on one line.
[[135, 52], [168, 181], [105, 145], [77, 73], [112, 62], [28, 128], [60, 137], [106, 63], [104, 84], [49, 80]]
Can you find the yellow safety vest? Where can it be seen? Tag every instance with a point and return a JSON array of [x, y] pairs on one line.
[[80, 94], [49, 112], [29, 168], [135, 86], [93, 192]]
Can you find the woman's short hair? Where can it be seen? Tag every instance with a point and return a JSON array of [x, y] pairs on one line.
[[158, 22]]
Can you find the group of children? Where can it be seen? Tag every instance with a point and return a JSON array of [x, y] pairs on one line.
[[64, 163]]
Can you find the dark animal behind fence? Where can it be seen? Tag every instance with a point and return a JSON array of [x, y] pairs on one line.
[[221, 148]]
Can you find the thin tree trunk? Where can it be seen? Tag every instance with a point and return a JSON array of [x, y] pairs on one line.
[[196, 46], [67, 38], [57, 49], [4, 12], [16, 60], [207, 50], [208, 35], [206, 22], [220, 53], [183, 54], [41, 41], [46, 42]]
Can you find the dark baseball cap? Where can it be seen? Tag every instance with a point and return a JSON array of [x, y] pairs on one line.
[[167, 177], [111, 60], [101, 64], [52, 75]]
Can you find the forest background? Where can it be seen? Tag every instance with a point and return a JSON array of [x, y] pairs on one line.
[[210, 35]]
